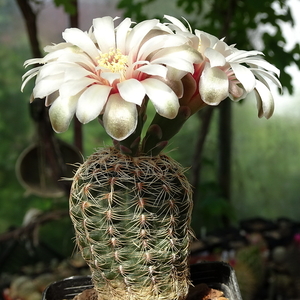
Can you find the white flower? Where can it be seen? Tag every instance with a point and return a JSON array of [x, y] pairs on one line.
[[228, 72], [224, 74], [109, 71]]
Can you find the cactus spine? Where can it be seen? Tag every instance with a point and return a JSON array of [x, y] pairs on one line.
[[132, 221]]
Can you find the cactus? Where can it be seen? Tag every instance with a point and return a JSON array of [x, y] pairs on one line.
[[132, 221], [130, 205]]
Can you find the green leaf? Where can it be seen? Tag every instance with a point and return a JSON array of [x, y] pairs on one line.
[[69, 6]]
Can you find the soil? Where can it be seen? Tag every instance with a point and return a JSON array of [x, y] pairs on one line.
[[204, 292], [198, 292], [89, 294]]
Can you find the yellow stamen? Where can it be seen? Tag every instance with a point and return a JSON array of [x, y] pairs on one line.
[[113, 61]]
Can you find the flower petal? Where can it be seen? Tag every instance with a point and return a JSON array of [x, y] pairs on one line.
[[265, 101], [51, 98], [32, 61], [213, 85], [174, 83], [241, 56], [221, 46], [52, 68], [105, 33], [154, 69], [91, 102], [73, 87], [29, 75], [75, 71], [215, 58], [176, 22], [119, 118], [206, 40], [138, 32], [260, 74], [258, 61], [47, 86], [175, 74], [110, 76], [61, 113], [180, 54], [132, 90], [80, 39], [55, 47], [78, 57], [160, 40], [179, 58], [121, 34], [244, 76], [162, 96]]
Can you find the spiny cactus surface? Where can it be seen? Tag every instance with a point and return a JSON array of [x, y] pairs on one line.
[[132, 221]]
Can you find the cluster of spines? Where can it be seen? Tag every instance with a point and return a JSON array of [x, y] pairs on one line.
[[131, 217]]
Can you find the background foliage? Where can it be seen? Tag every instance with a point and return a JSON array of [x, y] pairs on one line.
[[265, 153]]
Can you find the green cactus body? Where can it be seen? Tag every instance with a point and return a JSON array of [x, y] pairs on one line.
[[132, 221]]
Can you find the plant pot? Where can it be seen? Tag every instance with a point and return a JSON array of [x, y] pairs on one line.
[[34, 171], [67, 288], [217, 275]]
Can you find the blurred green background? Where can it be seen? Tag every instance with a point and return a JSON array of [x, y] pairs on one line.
[[241, 167], [264, 154]]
